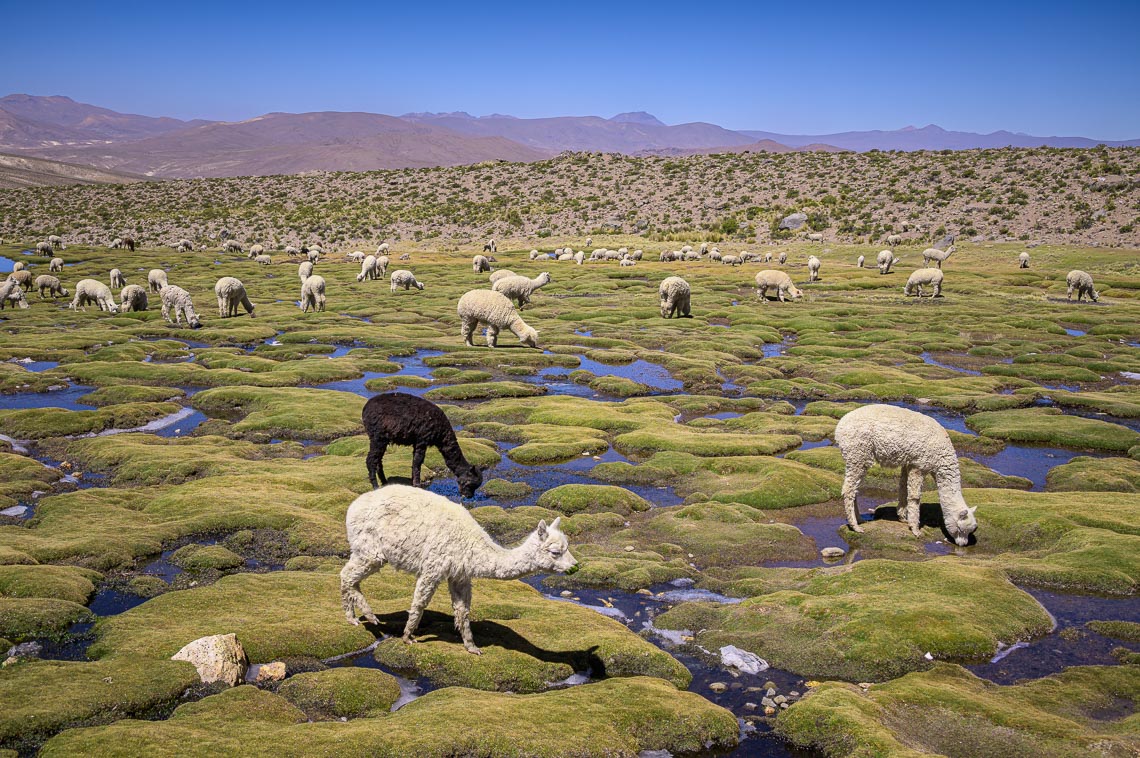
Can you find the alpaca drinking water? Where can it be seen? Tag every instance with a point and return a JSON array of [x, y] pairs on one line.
[[428, 535], [398, 418]]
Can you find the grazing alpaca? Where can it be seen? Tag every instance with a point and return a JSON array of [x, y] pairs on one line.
[[917, 444], [436, 539], [129, 243], [398, 418]]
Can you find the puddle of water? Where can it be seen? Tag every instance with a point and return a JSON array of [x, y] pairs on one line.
[[6, 265], [1054, 652], [649, 374], [1033, 463], [67, 399], [1075, 332], [35, 366], [927, 358]]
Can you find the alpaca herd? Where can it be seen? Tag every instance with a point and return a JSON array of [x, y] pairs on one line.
[[426, 534]]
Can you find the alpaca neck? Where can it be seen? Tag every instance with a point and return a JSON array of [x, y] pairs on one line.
[[452, 453], [503, 563], [518, 327], [948, 480]]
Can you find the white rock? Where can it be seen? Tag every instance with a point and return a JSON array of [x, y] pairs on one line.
[[832, 552], [218, 658]]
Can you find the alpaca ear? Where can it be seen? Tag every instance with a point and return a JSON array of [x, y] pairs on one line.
[[554, 524], [971, 510], [540, 530]]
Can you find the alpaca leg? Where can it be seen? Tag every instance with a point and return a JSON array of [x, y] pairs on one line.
[[375, 462], [461, 606], [425, 588], [354, 572], [418, 453], [221, 307], [851, 481], [913, 496], [469, 330], [492, 335], [902, 506]]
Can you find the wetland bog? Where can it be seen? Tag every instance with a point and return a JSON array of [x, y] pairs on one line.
[[177, 483]]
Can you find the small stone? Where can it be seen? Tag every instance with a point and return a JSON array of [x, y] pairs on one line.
[[9, 661], [771, 692], [750, 706], [754, 689], [26, 650], [566, 593], [768, 702], [812, 684], [780, 699], [832, 552], [928, 657], [793, 693], [769, 711], [783, 705], [691, 556], [718, 687], [270, 672], [644, 591], [629, 548], [865, 685]]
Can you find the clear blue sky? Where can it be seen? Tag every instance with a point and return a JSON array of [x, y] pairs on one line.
[[1045, 67]]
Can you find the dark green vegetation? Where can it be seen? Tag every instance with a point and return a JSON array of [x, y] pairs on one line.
[[706, 483], [1045, 193]]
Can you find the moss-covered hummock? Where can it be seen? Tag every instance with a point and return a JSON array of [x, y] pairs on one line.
[[949, 711], [1074, 541], [760, 481], [526, 641], [286, 412], [57, 422], [868, 621], [21, 476], [614, 717], [1048, 426], [41, 697], [1095, 475], [592, 498], [195, 557], [341, 693]]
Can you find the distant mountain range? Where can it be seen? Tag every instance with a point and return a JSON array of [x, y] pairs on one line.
[[58, 128]]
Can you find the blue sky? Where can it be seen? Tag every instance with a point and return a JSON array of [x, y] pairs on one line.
[[1046, 68]]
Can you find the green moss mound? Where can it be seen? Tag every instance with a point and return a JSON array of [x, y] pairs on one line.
[[1048, 426], [41, 423], [1095, 475], [206, 557], [285, 412], [870, 621], [592, 498], [949, 711], [341, 693], [624, 716]]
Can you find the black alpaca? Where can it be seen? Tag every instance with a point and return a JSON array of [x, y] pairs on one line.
[[401, 419]]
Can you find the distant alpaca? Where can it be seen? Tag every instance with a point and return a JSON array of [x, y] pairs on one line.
[[398, 418], [436, 539], [917, 444], [936, 255]]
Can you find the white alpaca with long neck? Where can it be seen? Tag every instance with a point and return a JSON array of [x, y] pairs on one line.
[[918, 445], [435, 539]]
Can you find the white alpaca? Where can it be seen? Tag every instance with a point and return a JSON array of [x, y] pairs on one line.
[[936, 255], [813, 269], [885, 260], [917, 444], [859, 261], [435, 539]]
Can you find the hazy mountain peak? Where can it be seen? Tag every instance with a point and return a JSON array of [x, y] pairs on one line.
[[637, 117]]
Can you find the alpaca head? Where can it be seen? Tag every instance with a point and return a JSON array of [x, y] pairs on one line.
[[469, 478], [960, 523], [1095, 296], [550, 549], [795, 292], [529, 337], [544, 277]]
